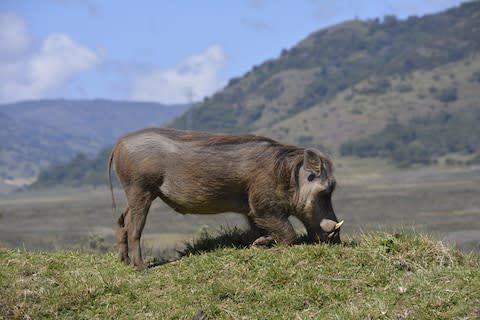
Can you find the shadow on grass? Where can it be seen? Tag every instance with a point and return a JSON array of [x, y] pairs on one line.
[[206, 241], [229, 237]]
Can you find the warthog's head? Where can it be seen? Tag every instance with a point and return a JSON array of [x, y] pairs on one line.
[[315, 187]]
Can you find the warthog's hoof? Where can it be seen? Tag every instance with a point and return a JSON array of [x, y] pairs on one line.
[[124, 258], [200, 315], [264, 241]]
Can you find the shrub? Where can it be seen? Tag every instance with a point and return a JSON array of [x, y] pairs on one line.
[[447, 94]]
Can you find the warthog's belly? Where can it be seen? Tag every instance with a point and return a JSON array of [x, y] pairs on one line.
[[189, 200]]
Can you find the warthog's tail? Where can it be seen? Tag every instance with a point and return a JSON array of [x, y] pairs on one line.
[[110, 160]]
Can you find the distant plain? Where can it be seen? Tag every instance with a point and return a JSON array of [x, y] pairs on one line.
[[372, 195]]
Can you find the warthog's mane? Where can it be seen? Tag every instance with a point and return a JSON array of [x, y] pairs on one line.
[[208, 138]]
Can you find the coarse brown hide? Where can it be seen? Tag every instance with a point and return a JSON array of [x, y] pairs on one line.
[[205, 173]]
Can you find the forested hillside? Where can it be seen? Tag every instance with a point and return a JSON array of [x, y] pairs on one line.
[[367, 108], [81, 170], [35, 134], [421, 139], [26, 146]]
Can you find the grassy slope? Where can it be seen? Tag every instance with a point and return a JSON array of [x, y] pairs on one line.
[[356, 112], [375, 275]]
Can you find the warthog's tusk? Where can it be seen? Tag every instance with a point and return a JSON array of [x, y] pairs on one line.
[[338, 225]]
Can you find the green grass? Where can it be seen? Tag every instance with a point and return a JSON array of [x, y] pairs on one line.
[[375, 275]]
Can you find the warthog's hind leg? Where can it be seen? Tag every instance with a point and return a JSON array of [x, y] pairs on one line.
[[122, 238], [139, 201]]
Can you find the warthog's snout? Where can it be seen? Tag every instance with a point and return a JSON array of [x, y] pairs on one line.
[[331, 230]]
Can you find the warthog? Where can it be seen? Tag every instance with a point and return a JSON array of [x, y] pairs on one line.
[[205, 173]]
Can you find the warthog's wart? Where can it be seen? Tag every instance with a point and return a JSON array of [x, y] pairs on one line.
[[204, 173]]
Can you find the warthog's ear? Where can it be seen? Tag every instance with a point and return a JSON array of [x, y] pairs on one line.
[[312, 161]]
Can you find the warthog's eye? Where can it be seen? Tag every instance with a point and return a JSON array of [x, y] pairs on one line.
[[311, 177]]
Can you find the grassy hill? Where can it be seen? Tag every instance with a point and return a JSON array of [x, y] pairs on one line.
[[35, 134], [371, 276], [334, 59]]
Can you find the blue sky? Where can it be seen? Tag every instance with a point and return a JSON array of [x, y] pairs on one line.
[[165, 51]]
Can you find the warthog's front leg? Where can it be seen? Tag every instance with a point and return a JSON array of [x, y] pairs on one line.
[[278, 228], [255, 229]]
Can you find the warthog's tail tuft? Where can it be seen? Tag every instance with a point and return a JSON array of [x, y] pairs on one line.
[[110, 160]]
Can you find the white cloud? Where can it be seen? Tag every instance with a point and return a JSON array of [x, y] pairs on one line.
[[29, 72], [194, 78], [14, 36], [58, 58]]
